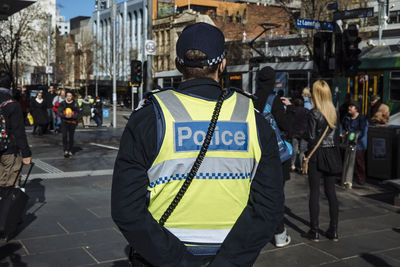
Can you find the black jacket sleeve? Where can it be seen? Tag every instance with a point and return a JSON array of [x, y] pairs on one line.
[[256, 225], [60, 110], [16, 128], [128, 197], [284, 118]]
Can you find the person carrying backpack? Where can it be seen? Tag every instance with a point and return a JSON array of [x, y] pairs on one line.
[[273, 108], [14, 148]]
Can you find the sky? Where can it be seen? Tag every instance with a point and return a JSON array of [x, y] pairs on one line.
[[74, 8]]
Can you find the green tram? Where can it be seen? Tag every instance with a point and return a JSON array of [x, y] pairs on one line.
[[379, 73]]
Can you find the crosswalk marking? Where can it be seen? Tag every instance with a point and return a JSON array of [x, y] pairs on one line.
[[46, 167], [105, 146], [71, 174]]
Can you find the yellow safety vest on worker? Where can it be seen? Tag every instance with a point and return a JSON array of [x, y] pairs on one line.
[[220, 190]]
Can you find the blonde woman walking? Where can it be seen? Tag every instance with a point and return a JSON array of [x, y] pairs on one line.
[[325, 163]]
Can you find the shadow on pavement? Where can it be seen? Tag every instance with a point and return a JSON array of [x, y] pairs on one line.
[[294, 225], [36, 192], [9, 251], [374, 260]]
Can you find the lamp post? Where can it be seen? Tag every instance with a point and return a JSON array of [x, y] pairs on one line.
[[48, 15], [149, 74], [114, 62]]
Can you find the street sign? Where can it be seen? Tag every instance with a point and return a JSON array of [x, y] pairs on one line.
[[354, 13], [332, 6], [150, 47], [106, 113], [49, 69], [314, 24]]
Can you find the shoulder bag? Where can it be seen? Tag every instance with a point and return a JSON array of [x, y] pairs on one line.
[[304, 167]]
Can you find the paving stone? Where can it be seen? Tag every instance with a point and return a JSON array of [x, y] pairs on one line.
[[67, 258], [392, 253], [299, 255], [118, 263], [88, 223], [108, 251], [365, 260], [365, 243], [39, 226], [75, 240]]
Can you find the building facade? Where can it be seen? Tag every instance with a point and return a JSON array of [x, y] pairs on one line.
[[131, 31], [62, 25]]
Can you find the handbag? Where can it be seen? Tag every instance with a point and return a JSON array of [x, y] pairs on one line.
[[304, 167]]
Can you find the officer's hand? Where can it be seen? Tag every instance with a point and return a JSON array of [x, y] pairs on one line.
[[27, 160]]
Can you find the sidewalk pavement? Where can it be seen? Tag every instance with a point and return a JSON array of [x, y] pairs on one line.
[[68, 223]]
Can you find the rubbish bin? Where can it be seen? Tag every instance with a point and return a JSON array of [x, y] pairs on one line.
[[383, 152]]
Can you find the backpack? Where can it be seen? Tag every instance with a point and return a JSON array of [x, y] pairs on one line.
[[3, 127], [285, 148]]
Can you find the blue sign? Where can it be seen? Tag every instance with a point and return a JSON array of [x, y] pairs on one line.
[[232, 136], [280, 82], [106, 113], [314, 24]]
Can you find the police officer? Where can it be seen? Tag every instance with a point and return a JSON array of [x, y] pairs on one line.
[[232, 207]]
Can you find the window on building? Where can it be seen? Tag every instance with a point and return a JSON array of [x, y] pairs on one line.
[[394, 90], [394, 17]]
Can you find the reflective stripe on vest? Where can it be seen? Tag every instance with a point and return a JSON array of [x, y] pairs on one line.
[[221, 187]]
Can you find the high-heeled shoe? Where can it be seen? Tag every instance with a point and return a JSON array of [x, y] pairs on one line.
[[312, 235], [332, 234]]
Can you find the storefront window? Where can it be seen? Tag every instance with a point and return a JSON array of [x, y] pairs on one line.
[[394, 89]]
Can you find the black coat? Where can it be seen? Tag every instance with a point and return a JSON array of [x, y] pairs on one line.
[[300, 123], [39, 112], [15, 126]]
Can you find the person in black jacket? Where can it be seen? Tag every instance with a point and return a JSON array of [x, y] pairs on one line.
[[299, 132], [283, 112], [138, 150], [325, 163], [18, 151], [69, 113], [49, 97], [39, 112]]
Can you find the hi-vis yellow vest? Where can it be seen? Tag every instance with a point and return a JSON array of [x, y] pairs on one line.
[[220, 190]]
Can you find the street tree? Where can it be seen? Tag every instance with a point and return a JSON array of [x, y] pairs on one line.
[[22, 40]]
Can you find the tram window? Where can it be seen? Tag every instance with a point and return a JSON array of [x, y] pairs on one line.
[[394, 90]]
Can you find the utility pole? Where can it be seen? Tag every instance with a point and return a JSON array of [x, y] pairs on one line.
[[114, 68], [48, 45], [382, 17], [149, 74]]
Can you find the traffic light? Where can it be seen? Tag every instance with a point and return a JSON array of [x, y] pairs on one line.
[[322, 51], [136, 72], [351, 50]]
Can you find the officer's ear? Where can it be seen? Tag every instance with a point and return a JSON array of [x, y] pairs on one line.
[[178, 66], [222, 66]]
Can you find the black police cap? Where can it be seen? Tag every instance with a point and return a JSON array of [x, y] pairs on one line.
[[204, 37]]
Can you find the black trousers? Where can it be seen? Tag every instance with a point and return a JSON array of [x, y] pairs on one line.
[[68, 131], [314, 179]]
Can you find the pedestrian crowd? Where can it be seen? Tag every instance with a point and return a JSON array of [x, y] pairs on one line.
[[59, 111]]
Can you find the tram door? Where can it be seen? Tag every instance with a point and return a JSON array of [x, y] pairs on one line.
[[362, 87]]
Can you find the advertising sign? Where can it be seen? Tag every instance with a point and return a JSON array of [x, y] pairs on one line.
[[165, 8], [280, 82]]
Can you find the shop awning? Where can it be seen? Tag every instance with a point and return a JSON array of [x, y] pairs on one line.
[[9, 7]]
